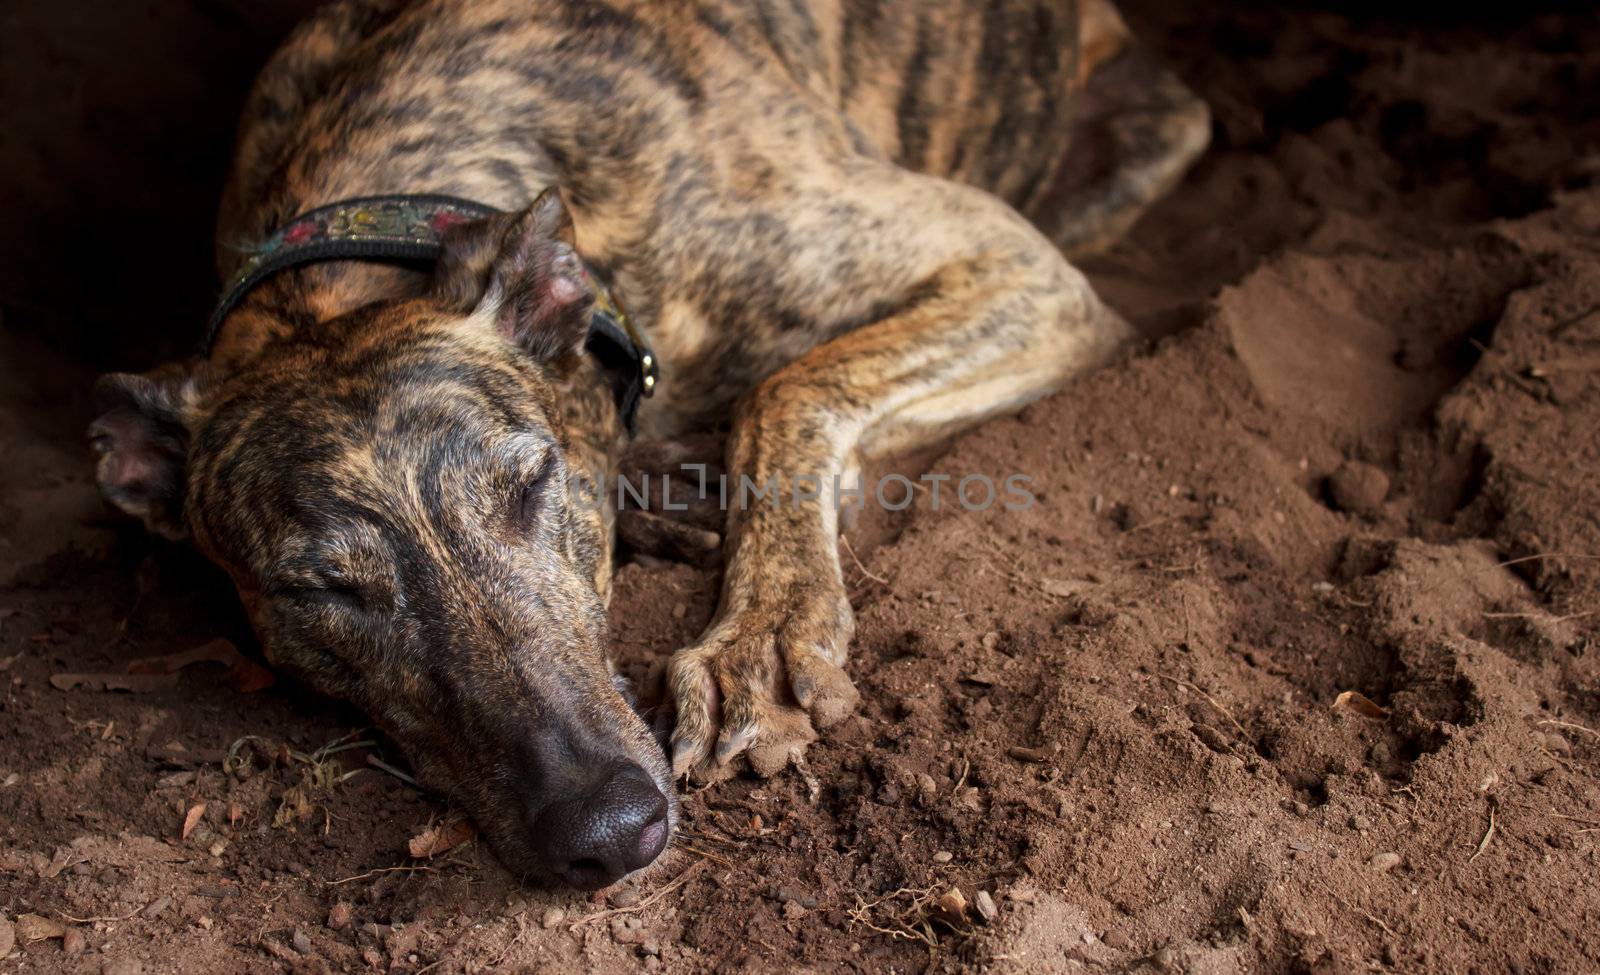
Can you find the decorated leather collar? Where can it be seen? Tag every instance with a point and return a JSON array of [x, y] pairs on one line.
[[409, 229]]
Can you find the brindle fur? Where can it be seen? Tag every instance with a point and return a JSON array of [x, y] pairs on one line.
[[819, 213]]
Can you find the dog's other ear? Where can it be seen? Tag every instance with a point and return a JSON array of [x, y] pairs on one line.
[[522, 272], [141, 442]]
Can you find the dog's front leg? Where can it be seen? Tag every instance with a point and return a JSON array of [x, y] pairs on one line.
[[984, 334]]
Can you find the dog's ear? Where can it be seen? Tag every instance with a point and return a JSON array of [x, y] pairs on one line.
[[521, 272], [141, 443]]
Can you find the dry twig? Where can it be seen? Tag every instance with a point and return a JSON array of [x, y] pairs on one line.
[[677, 882]]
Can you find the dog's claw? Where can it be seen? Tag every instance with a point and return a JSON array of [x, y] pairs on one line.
[[805, 688], [684, 757], [768, 679], [730, 743]]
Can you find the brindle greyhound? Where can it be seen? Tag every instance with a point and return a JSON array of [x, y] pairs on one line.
[[840, 225]]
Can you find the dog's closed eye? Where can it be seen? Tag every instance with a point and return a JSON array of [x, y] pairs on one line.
[[338, 596]]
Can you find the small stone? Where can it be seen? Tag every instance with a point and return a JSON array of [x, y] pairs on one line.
[[157, 906], [985, 906], [72, 942], [626, 897], [1361, 823], [1114, 939], [552, 917], [943, 856], [1358, 488], [1301, 809], [301, 942], [1166, 958], [1384, 862], [990, 640], [794, 910], [339, 916], [372, 957]]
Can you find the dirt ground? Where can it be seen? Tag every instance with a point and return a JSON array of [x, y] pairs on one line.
[[1364, 458]]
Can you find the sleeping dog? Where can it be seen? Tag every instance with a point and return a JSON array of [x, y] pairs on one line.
[[474, 246]]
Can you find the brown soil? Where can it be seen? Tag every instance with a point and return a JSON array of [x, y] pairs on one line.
[[1364, 458]]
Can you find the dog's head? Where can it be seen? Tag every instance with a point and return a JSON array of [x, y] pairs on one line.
[[396, 497]]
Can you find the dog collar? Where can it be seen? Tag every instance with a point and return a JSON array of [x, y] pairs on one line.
[[409, 229]]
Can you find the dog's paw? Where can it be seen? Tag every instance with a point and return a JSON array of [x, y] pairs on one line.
[[759, 683]]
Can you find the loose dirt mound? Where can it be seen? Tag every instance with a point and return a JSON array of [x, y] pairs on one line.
[[1365, 458]]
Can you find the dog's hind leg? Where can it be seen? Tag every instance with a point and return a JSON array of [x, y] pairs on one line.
[[995, 318], [1136, 130]]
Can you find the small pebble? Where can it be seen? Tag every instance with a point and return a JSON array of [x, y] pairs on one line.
[[1360, 822], [1384, 862], [943, 856], [72, 942], [626, 897], [371, 957], [301, 942], [985, 906], [552, 917], [157, 906], [1166, 958], [1358, 488], [1558, 744]]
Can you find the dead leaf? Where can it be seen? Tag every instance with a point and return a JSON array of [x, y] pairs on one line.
[[244, 674], [136, 683], [247, 677], [296, 806], [192, 819], [32, 927], [217, 651], [951, 907], [1358, 703], [440, 839]]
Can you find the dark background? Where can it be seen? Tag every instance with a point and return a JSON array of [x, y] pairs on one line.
[[116, 128]]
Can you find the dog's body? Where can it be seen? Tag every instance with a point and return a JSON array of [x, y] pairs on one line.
[[815, 212]]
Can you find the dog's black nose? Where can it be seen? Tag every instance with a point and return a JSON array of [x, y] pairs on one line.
[[594, 839]]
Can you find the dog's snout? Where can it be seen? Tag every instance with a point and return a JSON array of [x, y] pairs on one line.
[[595, 838]]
